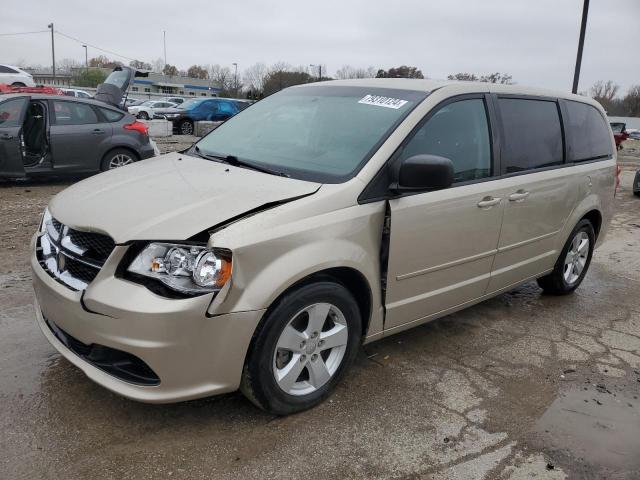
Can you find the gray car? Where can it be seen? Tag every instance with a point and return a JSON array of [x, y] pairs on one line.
[[51, 134]]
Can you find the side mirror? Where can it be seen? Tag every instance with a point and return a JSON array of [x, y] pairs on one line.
[[424, 172]]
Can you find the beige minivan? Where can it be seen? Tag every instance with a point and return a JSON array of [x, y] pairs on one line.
[[325, 216]]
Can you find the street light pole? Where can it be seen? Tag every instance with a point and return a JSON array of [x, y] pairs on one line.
[[164, 42], [583, 27], [86, 59], [53, 51], [235, 79]]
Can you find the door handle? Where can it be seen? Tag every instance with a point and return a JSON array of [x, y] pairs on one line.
[[518, 196], [97, 131], [488, 202]]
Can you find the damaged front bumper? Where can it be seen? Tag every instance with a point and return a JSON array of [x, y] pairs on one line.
[[138, 344]]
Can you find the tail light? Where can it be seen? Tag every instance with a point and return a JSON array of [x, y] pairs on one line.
[[137, 126], [618, 170]]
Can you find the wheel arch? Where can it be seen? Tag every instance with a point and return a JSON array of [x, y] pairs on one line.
[[595, 217], [118, 147], [353, 280]]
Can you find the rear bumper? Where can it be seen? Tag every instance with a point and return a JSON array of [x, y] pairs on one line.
[[146, 151], [191, 355]]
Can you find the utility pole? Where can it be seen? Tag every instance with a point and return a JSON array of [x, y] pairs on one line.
[[53, 51], [235, 80], [164, 41], [86, 59], [583, 27]]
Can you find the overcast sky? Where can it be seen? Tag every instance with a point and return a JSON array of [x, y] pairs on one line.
[[535, 41]]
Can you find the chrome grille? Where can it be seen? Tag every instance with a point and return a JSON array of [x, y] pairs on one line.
[[70, 256]]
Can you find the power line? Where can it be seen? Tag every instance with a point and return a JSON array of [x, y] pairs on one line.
[[22, 33], [93, 46]]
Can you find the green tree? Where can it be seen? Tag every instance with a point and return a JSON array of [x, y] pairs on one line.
[[497, 77], [196, 71], [279, 77], [170, 70], [103, 62], [631, 101], [467, 77], [403, 71], [605, 94], [89, 78], [140, 65]]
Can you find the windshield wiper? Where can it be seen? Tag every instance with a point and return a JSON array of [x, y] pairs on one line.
[[235, 161]]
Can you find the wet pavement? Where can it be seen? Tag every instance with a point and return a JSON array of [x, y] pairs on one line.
[[521, 386]]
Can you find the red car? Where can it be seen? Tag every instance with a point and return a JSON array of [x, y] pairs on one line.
[[4, 88], [619, 133]]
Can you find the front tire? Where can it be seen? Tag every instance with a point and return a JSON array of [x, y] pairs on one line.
[[18, 84], [573, 262], [143, 116], [302, 348]]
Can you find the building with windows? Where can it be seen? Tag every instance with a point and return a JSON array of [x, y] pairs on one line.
[[153, 85], [60, 80], [157, 83]]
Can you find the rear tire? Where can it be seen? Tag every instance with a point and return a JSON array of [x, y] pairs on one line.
[[118, 157], [302, 348], [143, 116], [573, 262], [185, 127]]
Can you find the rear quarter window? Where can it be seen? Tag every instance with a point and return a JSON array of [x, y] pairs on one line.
[[111, 115], [588, 135], [5, 69], [532, 134]]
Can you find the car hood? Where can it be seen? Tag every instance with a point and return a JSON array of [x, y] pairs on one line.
[[171, 197]]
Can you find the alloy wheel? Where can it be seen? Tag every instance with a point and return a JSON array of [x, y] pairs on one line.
[[120, 160], [186, 128], [310, 349], [576, 258]]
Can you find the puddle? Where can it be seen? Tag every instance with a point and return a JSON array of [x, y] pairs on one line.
[[596, 427]]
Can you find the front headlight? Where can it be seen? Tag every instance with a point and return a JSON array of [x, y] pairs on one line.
[[188, 269], [46, 218], [172, 115]]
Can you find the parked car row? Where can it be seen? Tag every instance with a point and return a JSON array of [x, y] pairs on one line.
[[15, 76], [185, 115], [54, 134], [147, 110]]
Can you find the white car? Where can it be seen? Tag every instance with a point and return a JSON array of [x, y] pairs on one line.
[[14, 76], [74, 92], [146, 110]]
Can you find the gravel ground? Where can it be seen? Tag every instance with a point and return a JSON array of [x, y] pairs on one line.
[[520, 386]]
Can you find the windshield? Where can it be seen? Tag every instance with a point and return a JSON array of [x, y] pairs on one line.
[[190, 104], [148, 103], [318, 133]]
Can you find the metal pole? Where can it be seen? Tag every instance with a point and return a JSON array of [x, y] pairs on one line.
[[164, 41], [235, 80], [320, 72], [86, 59], [53, 51], [583, 27]]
